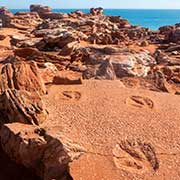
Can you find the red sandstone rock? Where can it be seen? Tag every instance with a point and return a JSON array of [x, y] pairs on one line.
[[34, 148], [48, 72], [2, 37], [27, 52], [45, 12], [106, 71], [21, 20], [21, 76], [5, 16], [21, 106], [68, 77], [171, 33], [96, 11], [68, 49], [39, 8]]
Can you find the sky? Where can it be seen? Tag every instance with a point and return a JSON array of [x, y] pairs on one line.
[[117, 4]]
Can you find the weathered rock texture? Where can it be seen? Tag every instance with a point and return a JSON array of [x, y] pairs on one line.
[[68, 77], [34, 148], [21, 86], [45, 12], [21, 106], [5, 16], [20, 20], [21, 75]]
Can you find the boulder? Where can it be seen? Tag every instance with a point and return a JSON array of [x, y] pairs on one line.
[[41, 58], [68, 77], [51, 42], [21, 75], [144, 43], [170, 73], [166, 29], [24, 42], [20, 20], [37, 150], [167, 78], [176, 35], [106, 71], [68, 49], [27, 52], [16, 39], [171, 33], [52, 15], [77, 14], [119, 64], [48, 71], [45, 12], [137, 33], [5, 16], [21, 106], [25, 20], [161, 57], [115, 19], [129, 64], [39, 9], [2, 37], [96, 11]]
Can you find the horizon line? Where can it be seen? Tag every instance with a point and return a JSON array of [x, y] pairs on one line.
[[110, 8]]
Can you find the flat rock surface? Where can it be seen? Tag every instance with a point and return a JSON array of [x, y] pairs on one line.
[[126, 133]]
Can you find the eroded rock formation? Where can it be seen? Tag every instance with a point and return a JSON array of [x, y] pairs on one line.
[[21, 106], [34, 148], [20, 20], [21, 75]]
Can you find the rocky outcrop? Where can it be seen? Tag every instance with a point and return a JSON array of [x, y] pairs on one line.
[[21, 106], [119, 63], [68, 77], [96, 11], [20, 87], [69, 48], [20, 20], [106, 71], [167, 78], [171, 33], [45, 12], [34, 148], [48, 71], [40, 9], [43, 58], [5, 16], [2, 37], [137, 64], [21, 75], [25, 20]]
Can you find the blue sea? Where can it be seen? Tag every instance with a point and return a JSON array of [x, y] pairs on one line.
[[152, 19]]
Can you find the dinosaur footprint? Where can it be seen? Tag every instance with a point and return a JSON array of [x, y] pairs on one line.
[[71, 95], [139, 101], [135, 157]]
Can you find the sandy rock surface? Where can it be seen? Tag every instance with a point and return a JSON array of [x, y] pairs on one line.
[[126, 133]]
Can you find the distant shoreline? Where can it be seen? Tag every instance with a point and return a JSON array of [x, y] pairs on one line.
[[149, 18], [104, 9]]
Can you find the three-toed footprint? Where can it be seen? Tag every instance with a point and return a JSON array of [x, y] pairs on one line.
[[140, 101], [135, 157], [71, 95]]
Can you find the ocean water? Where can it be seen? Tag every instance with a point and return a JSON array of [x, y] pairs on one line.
[[152, 19]]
